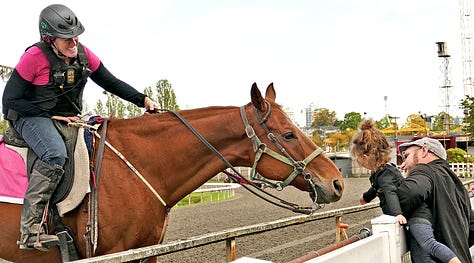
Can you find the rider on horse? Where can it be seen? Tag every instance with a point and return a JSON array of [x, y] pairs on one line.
[[46, 85]]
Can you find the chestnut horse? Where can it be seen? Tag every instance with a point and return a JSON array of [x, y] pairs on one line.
[[175, 162]]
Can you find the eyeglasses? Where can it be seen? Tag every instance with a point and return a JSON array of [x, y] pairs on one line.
[[405, 154]]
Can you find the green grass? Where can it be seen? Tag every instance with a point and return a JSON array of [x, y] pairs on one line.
[[203, 198]]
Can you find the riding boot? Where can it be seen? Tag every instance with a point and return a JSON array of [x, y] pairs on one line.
[[41, 185]]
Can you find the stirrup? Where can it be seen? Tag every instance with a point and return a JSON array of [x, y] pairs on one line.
[[38, 241]]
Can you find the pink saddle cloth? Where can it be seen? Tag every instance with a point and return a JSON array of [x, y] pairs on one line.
[[13, 178]]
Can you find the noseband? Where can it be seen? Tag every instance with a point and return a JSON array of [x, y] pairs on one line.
[[261, 148]]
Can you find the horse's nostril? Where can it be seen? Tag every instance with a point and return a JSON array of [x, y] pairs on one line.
[[337, 186]]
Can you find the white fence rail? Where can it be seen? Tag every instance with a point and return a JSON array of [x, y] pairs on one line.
[[386, 245], [224, 190], [463, 169], [230, 236]]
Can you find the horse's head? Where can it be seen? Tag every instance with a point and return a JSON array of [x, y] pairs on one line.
[[286, 155]]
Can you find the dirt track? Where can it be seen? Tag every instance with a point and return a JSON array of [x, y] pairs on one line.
[[280, 245]]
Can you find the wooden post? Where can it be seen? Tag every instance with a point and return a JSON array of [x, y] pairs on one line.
[[231, 249], [340, 229]]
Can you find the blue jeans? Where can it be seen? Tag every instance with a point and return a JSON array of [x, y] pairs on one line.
[[43, 138], [424, 247]]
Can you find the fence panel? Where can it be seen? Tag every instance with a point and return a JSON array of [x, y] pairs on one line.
[[230, 234]]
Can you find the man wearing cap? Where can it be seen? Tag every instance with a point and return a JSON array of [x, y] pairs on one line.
[[431, 181]]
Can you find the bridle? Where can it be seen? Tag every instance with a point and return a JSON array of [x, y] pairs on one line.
[[261, 148]]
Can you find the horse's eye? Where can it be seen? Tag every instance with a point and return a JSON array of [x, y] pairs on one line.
[[287, 136]]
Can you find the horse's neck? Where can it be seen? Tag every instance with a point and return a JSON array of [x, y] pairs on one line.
[[172, 158]]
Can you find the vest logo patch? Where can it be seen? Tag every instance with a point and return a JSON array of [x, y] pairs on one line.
[[70, 76]]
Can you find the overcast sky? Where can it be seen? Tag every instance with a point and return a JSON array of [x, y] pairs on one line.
[[343, 55]]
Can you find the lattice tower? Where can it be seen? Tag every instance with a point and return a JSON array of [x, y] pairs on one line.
[[467, 46]]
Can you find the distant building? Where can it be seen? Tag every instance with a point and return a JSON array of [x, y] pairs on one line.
[[326, 131], [308, 131], [291, 114], [309, 112]]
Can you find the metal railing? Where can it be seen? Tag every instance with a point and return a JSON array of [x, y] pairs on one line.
[[463, 169], [229, 235], [224, 190]]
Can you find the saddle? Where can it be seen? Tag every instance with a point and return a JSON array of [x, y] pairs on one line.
[[74, 183]]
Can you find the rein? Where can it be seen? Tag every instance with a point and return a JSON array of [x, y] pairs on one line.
[[260, 149], [258, 146]]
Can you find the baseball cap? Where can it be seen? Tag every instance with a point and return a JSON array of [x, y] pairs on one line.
[[433, 146]]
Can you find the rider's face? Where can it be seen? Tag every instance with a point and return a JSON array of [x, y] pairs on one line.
[[67, 46]]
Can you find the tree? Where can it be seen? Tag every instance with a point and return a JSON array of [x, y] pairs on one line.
[[323, 117], [3, 126], [99, 108], [457, 155], [133, 110], [351, 121], [115, 106], [339, 141], [149, 93], [384, 123], [166, 98], [316, 138], [468, 105], [121, 109], [442, 122]]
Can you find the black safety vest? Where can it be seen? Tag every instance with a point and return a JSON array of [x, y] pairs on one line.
[[62, 96]]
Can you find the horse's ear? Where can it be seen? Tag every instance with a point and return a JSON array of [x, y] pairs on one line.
[[270, 93], [257, 100]]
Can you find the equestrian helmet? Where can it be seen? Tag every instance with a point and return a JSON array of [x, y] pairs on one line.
[[58, 21]]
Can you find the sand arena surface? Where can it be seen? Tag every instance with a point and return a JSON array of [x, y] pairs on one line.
[[245, 209]]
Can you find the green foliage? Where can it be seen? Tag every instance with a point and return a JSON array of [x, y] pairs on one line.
[[351, 121], [323, 117], [3, 126], [457, 155], [114, 106], [468, 105], [316, 138], [99, 108], [166, 98], [384, 123], [133, 110], [203, 198], [441, 121], [148, 92], [339, 141]]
